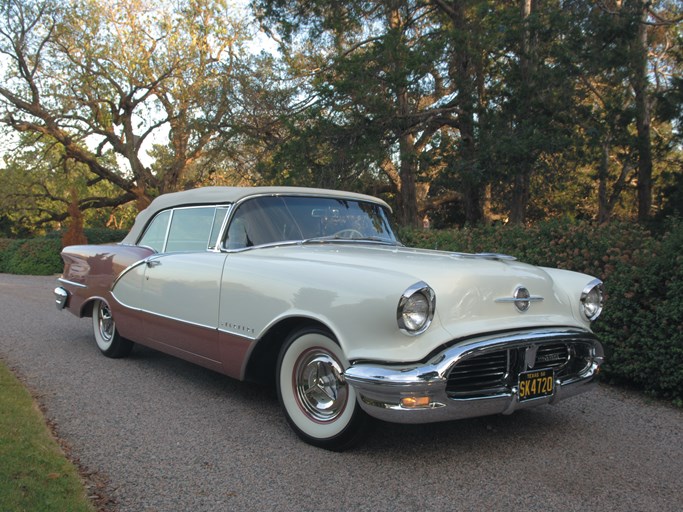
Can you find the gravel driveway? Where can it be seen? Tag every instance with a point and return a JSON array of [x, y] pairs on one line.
[[169, 436]]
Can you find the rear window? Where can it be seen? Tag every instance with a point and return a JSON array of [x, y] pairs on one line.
[[189, 229]]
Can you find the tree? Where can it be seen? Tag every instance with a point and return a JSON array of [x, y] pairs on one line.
[[132, 76], [623, 54], [376, 83], [39, 187]]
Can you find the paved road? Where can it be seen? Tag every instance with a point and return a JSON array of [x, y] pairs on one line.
[[170, 436]]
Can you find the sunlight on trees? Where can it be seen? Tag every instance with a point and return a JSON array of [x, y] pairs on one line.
[[456, 111]]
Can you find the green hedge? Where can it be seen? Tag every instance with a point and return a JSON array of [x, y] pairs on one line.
[[642, 325], [35, 256], [41, 256]]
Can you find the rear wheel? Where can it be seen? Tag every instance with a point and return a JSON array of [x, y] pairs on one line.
[[108, 340], [319, 404]]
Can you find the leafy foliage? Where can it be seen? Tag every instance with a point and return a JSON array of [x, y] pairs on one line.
[[134, 75], [457, 111], [41, 256], [35, 256]]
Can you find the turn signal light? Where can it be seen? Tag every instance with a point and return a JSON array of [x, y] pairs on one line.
[[412, 402]]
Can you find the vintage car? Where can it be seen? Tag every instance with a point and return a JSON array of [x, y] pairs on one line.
[[312, 290]]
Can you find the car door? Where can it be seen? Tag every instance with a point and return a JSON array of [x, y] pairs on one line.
[[181, 294], [179, 287]]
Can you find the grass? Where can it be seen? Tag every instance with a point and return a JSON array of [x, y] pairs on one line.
[[35, 475]]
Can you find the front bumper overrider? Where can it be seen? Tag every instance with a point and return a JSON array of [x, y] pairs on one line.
[[417, 393]]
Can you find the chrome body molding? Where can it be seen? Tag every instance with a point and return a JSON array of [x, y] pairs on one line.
[[485, 256], [381, 387], [172, 319], [512, 300], [131, 267], [71, 283]]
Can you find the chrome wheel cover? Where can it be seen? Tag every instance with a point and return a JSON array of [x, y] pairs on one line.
[[105, 323], [321, 391]]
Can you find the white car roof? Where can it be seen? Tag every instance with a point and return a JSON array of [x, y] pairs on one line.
[[227, 195]]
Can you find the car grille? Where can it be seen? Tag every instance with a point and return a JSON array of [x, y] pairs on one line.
[[487, 372], [498, 371]]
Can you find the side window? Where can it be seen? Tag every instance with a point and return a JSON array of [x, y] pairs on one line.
[[260, 221], [155, 234], [190, 229], [218, 219]]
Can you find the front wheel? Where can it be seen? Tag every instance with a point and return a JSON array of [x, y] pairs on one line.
[[319, 404], [108, 340]]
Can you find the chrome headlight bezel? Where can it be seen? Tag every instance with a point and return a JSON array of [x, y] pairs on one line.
[[416, 308], [592, 300]]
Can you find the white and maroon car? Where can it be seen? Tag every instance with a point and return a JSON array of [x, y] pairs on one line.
[[310, 288]]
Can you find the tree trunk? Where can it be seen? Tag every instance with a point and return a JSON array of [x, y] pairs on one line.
[[408, 214], [644, 146], [521, 192], [522, 178], [465, 80], [408, 171]]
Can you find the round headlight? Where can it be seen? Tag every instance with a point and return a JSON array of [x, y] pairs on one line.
[[416, 309], [592, 300]]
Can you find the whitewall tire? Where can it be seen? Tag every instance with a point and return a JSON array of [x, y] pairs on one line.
[[320, 406], [104, 328]]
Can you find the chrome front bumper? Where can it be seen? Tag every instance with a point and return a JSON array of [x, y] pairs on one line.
[[386, 391]]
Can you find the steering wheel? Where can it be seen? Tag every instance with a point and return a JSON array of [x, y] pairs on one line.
[[348, 233]]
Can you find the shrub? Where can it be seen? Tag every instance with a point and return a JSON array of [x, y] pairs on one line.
[[7, 248], [41, 256], [643, 324], [36, 256], [98, 236]]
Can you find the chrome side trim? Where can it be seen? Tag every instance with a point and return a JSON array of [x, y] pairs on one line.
[[382, 386], [128, 269], [222, 229], [532, 298], [484, 255], [165, 317], [71, 283], [168, 229], [237, 335]]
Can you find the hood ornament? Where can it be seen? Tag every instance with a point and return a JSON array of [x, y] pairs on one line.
[[521, 298]]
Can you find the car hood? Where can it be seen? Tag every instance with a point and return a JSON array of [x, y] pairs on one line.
[[439, 269], [472, 291]]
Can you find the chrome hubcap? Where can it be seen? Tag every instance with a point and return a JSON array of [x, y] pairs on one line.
[[320, 388], [106, 323]]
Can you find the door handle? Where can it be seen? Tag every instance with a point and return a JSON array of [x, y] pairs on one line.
[[152, 263]]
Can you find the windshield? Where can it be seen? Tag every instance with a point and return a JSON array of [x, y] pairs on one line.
[[273, 219]]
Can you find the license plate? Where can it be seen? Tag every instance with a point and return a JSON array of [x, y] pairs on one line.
[[536, 384]]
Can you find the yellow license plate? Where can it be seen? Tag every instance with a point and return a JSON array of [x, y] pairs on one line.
[[536, 384]]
